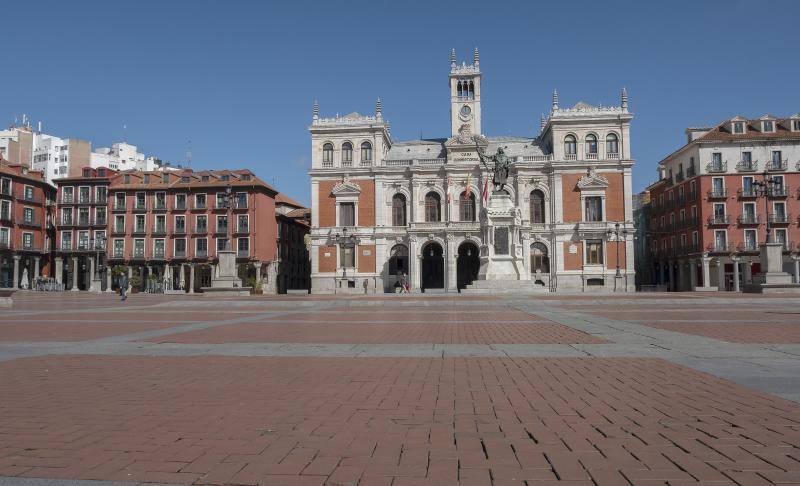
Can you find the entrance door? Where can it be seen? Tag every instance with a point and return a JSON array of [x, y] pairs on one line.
[[467, 264], [432, 267]]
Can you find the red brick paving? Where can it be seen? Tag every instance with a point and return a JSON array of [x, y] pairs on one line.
[[217, 420], [409, 315], [372, 333], [24, 330], [735, 332]]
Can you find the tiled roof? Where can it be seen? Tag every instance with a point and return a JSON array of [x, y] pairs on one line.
[[15, 170], [282, 198], [235, 179], [722, 132]]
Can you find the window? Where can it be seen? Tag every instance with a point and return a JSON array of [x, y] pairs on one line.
[[119, 200], [222, 224], [27, 241], [747, 186], [138, 248], [327, 154], [180, 247], [201, 224], [432, 207], [570, 145], [591, 144], [537, 207], [4, 236], [782, 238], [204, 178], [101, 194], [366, 152], [348, 256], [119, 223], [66, 216], [119, 248], [716, 161], [158, 248], [466, 206], [347, 154], [66, 240], [768, 126], [718, 187], [612, 144], [147, 178], [161, 200], [83, 216], [539, 259], [738, 127], [347, 214], [100, 215], [398, 262], [165, 178], [200, 201], [221, 201], [28, 193], [777, 186], [180, 224], [779, 212], [67, 194], [201, 247], [126, 179], [180, 201], [5, 211], [225, 177], [243, 223], [777, 159], [241, 200], [594, 252], [27, 215], [243, 247], [398, 210], [161, 224], [222, 244], [750, 240], [720, 240], [141, 200], [749, 213], [247, 177], [747, 157], [796, 125], [719, 212], [5, 186], [184, 179], [139, 224], [594, 208]]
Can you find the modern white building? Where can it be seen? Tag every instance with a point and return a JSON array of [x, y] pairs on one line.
[[383, 208], [123, 156]]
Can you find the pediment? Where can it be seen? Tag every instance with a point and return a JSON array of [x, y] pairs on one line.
[[346, 188], [592, 181]]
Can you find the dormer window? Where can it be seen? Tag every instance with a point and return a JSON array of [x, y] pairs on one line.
[[796, 125], [767, 126], [738, 127]]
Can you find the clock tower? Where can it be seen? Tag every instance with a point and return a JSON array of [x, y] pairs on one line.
[[465, 96]]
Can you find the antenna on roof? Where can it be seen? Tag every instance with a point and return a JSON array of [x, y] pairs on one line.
[[189, 155], [124, 133]]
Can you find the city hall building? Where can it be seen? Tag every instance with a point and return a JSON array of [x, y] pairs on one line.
[[427, 210]]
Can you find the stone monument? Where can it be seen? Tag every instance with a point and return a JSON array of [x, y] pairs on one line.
[[226, 282], [772, 278]]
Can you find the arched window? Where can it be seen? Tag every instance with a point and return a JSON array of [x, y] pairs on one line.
[[537, 207], [539, 259], [466, 206], [366, 153], [433, 206], [327, 153], [398, 210], [570, 145], [612, 144], [591, 144], [347, 153], [398, 261]]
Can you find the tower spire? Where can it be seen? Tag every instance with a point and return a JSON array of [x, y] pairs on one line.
[[315, 110], [624, 100], [555, 99], [378, 108], [453, 57], [476, 60], [542, 123]]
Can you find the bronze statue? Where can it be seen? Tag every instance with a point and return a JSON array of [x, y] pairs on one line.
[[500, 168]]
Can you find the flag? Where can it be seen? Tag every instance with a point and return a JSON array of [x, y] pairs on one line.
[[486, 191], [468, 191]]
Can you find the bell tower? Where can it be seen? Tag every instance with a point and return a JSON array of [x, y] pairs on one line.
[[465, 96]]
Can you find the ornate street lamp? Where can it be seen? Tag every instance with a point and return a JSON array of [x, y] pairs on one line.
[[616, 233], [344, 240], [766, 188]]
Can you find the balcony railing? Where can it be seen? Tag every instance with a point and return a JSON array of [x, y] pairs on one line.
[[118, 230], [777, 165], [780, 218], [179, 230], [221, 230], [745, 219], [200, 229], [242, 253], [160, 206], [747, 193], [718, 193], [180, 254], [139, 230], [201, 253], [138, 253], [243, 228], [679, 177], [30, 198], [119, 206], [720, 247], [778, 192], [23, 221], [717, 220], [691, 172], [747, 246], [591, 156], [747, 166], [570, 156], [179, 206], [159, 230], [140, 206], [716, 167]]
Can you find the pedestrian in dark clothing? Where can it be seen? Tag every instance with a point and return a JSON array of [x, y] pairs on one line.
[[123, 286]]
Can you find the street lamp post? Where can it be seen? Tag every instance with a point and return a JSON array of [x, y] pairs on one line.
[[764, 189], [343, 240], [616, 232]]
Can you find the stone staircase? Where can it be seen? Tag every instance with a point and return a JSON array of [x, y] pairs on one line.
[[505, 287]]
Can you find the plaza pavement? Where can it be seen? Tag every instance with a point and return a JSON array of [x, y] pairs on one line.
[[626, 389]]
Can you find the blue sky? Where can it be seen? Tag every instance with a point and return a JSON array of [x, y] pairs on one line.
[[239, 78]]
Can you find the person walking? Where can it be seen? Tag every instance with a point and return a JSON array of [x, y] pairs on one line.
[[403, 283], [123, 286]]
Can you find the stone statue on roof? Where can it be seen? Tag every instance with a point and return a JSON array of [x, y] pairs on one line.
[[501, 164]]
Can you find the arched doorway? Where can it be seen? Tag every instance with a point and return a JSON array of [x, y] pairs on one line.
[[432, 266], [540, 262], [467, 264]]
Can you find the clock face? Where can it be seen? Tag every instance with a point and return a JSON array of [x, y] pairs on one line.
[[465, 111]]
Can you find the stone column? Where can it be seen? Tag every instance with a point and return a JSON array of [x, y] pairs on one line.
[[706, 271], [108, 279], [15, 283], [747, 275], [735, 260], [796, 259], [75, 270], [130, 277], [720, 275], [36, 266], [692, 274], [451, 280], [92, 282], [191, 278], [413, 264], [59, 270]]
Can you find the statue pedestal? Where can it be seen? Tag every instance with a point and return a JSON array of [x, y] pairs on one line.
[[226, 283], [501, 254], [772, 277]]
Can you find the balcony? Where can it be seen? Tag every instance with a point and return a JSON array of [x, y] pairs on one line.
[[199, 206], [119, 206], [570, 156], [747, 193], [140, 207], [179, 206], [780, 218], [718, 193], [720, 247], [717, 167], [242, 253], [748, 219], [778, 192], [679, 177], [179, 254], [221, 230], [747, 246], [30, 222], [719, 220], [691, 172], [30, 198], [159, 230], [591, 156], [66, 246], [200, 230], [777, 165], [201, 253], [179, 230], [139, 230], [243, 229], [118, 230], [138, 254], [747, 166], [160, 206]]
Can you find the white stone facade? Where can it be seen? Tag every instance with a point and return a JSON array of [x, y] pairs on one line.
[[406, 174]]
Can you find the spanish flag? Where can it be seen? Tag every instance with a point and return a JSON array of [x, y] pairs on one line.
[[486, 191], [468, 190]]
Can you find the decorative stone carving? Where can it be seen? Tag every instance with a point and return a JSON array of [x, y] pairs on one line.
[[346, 188], [592, 181]]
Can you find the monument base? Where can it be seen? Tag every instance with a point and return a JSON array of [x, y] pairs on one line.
[[226, 283], [5, 299], [773, 280], [226, 291]]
